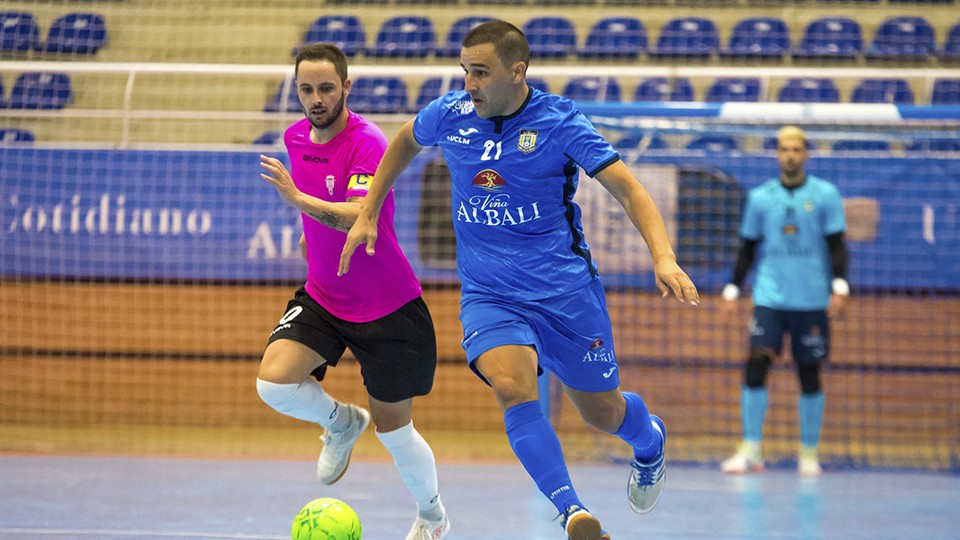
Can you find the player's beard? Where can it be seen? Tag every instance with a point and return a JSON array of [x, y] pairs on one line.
[[332, 114]]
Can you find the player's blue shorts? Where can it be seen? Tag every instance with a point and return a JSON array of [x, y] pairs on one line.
[[571, 333], [809, 332]]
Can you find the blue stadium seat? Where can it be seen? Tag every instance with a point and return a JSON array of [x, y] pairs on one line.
[[76, 33], [758, 37], [882, 91], [638, 140], [405, 37], [714, 144], [378, 95], [550, 37], [344, 31], [903, 38], [934, 145], [615, 37], [734, 89], [459, 30], [269, 138], [945, 92], [830, 37], [770, 143], [18, 32], [539, 83], [592, 89], [688, 37], [662, 89], [278, 104], [16, 135], [809, 91], [435, 87], [951, 45], [41, 91], [861, 146]]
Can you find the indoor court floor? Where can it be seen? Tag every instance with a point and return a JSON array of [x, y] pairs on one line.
[[59, 498]]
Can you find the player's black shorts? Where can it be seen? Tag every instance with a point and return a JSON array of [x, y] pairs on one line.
[[397, 353], [809, 332]]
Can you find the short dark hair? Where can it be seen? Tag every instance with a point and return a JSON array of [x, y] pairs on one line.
[[508, 41], [319, 52]]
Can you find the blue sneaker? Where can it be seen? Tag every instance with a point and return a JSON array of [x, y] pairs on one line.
[[646, 479], [579, 524]]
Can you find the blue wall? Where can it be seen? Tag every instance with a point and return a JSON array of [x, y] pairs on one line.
[[136, 214]]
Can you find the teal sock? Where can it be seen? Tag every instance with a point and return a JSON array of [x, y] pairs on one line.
[[754, 407], [811, 418]]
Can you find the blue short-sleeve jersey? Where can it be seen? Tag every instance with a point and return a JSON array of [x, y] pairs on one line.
[[518, 231], [791, 226]]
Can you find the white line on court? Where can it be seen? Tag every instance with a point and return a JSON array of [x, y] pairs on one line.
[[71, 533]]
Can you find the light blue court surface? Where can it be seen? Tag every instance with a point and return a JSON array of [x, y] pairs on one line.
[[143, 498]]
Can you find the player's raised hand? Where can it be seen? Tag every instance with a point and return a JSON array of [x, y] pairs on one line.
[[280, 178], [670, 277], [363, 231]]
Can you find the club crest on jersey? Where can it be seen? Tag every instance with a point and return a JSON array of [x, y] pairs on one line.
[[489, 180], [528, 141], [331, 182]]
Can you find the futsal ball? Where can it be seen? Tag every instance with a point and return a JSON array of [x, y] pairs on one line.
[[326, 519]]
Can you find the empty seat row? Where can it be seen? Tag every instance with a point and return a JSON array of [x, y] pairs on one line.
[[38, 90], [626, 37], [390, 94], [76, 33], [46, 90]]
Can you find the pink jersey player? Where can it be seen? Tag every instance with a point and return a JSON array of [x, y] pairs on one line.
[[336, 171]]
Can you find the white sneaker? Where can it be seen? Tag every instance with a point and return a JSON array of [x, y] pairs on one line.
[[746, 460], [646, 479], [807, 464], [338, 445], [430, 530]]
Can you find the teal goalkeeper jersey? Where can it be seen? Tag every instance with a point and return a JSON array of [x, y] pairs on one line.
[[791, 225], [518, 231]]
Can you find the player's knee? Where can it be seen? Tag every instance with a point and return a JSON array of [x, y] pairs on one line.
[[602, 416], [276, 395], [809, 373], [757, 367]]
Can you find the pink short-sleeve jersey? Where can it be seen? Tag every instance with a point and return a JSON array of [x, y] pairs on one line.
[[375, 286]]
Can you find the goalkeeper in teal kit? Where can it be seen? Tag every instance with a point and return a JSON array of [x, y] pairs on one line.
[[794, 225], [532, 298]]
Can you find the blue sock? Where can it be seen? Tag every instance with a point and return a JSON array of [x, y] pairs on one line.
[[811, 418], [536, 445], [754, 407], [636, 429]]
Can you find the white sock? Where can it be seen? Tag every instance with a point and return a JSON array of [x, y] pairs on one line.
[[305, 401], [418, 469]]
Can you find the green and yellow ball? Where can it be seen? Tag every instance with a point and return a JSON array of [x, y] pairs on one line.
[[326, 519]]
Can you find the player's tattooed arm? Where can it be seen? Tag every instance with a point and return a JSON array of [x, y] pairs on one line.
[[339, 216]]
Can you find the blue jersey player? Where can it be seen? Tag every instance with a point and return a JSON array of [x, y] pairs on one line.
[[531, 295], [794, 225]]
